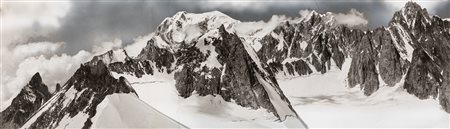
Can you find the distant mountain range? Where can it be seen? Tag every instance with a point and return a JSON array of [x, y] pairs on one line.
[[204, 55]]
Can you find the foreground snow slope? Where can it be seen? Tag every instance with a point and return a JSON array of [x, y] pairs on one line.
[[200, 111], [325, 101], [127, 111]]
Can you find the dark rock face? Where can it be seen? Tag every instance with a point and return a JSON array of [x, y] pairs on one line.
[[25, 104], [163, 58], [428, 74], [134, 67], [58, 88], [188, 80], [239, 80], [423, 78], [417, 49], [363, 70], [315, 42], [390, 66], [444, 92], [234, 80], [81, 94], [299, 66]]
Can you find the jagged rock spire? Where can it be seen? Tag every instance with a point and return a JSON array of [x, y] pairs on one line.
[[412, 15], [25, 104], [36, 79]]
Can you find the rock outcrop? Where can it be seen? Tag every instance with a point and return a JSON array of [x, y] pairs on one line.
[[25, 104]]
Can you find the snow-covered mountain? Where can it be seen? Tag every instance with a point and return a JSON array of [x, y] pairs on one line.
[[196, 54], [208, 70], [414, 47]]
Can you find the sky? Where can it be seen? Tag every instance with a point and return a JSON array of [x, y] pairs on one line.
[[54, 37]]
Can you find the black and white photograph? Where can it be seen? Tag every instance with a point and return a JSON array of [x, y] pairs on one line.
[[225, 64]]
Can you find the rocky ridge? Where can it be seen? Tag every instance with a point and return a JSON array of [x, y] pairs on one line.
[[79, 97]]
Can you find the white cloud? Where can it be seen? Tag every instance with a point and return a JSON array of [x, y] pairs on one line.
[[25, 14], [20, 21], [304, 13], [250, 5], [106, 46], [22, 59], [236, 5], [135, 48], [37, 48], [351, 18], [261, 27]]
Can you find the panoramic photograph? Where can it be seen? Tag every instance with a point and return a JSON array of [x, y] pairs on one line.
[[234, 64]]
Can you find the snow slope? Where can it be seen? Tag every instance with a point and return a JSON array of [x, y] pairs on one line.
[[127, 111], [325, 101], [196, 111]]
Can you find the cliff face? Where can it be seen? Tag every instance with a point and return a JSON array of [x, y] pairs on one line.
[[236, 79]]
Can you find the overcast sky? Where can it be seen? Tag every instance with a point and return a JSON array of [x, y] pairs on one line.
[[86, 23], [54, 37]]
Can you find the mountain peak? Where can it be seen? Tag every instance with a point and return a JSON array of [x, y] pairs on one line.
[[24, 105], [412, 13], [412, 8], [36, 79], [411, 4], [182, 18]]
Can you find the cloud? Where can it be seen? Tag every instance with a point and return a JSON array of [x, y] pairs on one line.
[[37, 48], [81, 29], [25, 14], [304, 13], [254, 5], [135, 48], [352, 18], [261, 27], [106, 46], [21, 22], [56, 69]]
